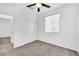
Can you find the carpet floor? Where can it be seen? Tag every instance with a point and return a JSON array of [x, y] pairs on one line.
[[39, 48]]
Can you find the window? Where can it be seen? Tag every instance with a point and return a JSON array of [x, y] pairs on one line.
[[52, 23]]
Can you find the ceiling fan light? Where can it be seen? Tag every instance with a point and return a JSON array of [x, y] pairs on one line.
[[38, 5]]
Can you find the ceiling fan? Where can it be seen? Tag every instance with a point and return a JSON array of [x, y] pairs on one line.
[[38, 5]]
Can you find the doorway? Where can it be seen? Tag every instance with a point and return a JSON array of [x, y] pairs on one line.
[[6, 23]]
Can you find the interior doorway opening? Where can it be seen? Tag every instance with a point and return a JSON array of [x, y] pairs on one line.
[[6, 26]]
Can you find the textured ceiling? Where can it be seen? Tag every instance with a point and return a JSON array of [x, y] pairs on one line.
[[23, 5]]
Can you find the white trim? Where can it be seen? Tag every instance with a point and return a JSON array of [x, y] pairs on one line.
[[5, 16]]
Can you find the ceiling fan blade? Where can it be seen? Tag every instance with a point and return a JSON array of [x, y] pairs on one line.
[[31, 5], [45, 5], [38, 9]]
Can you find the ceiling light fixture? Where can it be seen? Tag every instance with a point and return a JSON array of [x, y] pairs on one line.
[[38, 5]]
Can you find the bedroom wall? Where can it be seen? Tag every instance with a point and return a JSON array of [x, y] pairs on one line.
[[67, 37], [25, 27], [78, 27]]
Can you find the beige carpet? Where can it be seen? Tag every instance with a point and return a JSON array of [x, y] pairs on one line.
[[39, 48], [4, 40]]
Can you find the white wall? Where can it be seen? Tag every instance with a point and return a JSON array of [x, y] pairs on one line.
[[78, 27], [25, 26], [67, 37]]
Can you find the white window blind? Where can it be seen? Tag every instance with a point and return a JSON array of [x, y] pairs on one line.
[[52, 23]]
